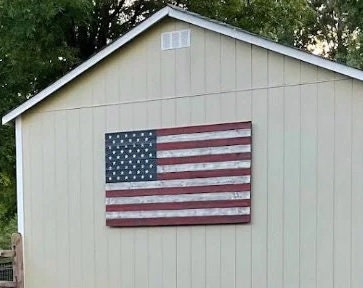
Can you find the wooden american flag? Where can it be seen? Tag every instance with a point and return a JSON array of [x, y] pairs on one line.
[[179, 176]]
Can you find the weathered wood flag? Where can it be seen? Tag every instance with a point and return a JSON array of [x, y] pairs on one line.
[[179, 176]]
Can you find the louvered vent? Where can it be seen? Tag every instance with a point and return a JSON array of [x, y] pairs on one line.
[[175, 39]]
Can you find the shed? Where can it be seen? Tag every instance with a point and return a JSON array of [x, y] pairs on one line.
[[179, 69]]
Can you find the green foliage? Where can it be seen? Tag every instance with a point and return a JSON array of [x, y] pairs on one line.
[[6, 230], [278, 20], [338, 26], [7, 177], [33, 42]]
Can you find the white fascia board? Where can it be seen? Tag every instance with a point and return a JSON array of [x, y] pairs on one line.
[[267, 44], [19, 174], [87, 64]]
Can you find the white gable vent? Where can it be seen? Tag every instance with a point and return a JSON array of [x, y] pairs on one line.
[[175, 39]]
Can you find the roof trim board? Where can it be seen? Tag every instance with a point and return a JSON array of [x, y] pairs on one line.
[[199, 21]]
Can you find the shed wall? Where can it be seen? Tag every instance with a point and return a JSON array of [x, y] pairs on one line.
[[307, 163]]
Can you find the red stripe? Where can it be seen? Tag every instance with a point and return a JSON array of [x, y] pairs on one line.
[[179, 205], [179, 221], [204, 174], [204, 143], [179, 190], [204, 159], [204, 128]]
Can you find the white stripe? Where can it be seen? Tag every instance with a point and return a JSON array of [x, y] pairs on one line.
[[204, 166], [205, 136], [178, 198], [179, 183], [204, 151], [179, 213]]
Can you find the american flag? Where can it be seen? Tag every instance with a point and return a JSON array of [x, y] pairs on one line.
[[179, 176]]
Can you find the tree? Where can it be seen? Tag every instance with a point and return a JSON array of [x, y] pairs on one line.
[[338, 29], [280, 20]]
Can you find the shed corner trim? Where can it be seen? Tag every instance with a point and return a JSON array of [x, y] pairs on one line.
[[19, 173]]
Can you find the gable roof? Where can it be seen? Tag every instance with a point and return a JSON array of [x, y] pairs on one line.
[[197, 20]]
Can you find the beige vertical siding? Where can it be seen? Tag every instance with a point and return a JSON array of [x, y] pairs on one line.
[[306, 228]]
